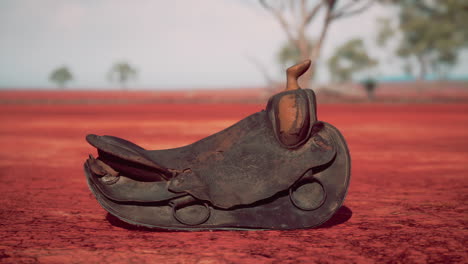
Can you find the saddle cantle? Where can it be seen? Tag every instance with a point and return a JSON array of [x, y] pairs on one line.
[[276, 169]]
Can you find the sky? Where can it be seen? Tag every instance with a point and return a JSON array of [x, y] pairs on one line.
[[176, 44]]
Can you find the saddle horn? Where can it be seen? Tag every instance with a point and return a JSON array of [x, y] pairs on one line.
[[293, 112], [294, 72]]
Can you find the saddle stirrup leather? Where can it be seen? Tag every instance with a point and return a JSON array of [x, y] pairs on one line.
[[279, 168]]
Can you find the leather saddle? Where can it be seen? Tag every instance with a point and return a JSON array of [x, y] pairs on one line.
[[279, 168]]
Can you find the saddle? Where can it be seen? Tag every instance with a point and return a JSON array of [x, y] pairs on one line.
[[279, 168]]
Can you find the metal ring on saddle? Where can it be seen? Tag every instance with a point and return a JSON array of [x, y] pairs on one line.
[[308, 195], [189, 204]]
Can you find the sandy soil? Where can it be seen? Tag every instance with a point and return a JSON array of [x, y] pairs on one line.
[[407, 203]]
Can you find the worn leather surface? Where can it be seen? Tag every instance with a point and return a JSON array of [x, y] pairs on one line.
[[245, 176], [245, 164], [275, 213], [240, 165]]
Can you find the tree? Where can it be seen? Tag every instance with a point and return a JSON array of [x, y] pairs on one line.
[[431, 34], [349, 59], [61, 76], [369, 85], [122, 72], [296, 16], [290, 54]]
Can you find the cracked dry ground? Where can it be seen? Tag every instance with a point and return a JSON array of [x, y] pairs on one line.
[[407, 201]]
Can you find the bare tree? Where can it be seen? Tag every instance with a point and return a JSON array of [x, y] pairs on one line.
[[295, 16]]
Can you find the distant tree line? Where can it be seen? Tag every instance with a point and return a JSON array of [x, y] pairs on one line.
[[120, 73], [429, 36], [295, 17]]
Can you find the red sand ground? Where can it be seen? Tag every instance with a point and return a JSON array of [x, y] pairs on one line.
[[407, 202]]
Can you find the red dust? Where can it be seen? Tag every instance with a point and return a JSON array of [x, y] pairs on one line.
[[407, 201]]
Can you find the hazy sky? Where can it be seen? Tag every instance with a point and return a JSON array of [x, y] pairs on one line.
[[173, 44]]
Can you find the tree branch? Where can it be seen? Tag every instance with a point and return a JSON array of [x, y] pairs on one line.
[[303, 10], [347, 6], [279, 16], [317, 47], [312, 13], [292, 6], [343, 13]]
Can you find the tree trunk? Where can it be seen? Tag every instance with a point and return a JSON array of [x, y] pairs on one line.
[[422, 68], [304, 49], [315, 52]]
